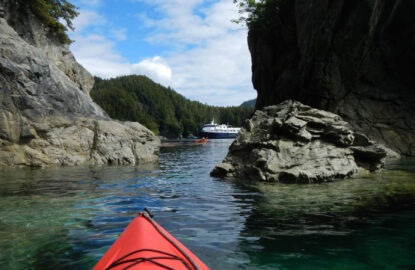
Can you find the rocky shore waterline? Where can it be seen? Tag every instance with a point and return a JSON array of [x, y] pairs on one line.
[[47, 116], [295, 143]]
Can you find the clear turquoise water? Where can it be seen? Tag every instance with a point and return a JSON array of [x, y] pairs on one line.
[[66, 218]]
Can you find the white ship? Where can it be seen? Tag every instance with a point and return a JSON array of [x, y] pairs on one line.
[[216, 131]]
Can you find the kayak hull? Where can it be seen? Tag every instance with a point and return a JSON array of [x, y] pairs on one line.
[[144, 244]]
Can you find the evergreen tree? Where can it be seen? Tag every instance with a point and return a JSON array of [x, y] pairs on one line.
[[50, 12], [161, 109]]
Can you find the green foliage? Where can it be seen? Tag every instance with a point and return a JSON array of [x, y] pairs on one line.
[[161, 109], [50, 12], [247, 10], [255, 13]]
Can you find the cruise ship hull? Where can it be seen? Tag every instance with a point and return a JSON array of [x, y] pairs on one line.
[[218, 135]]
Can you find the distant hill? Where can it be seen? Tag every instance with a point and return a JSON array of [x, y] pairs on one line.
[[250, 103], [161, 109]]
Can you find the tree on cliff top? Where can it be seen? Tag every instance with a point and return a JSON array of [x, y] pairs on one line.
[[50, 12], [255, 12]]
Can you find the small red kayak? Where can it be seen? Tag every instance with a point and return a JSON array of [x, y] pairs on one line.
[[144, 244]]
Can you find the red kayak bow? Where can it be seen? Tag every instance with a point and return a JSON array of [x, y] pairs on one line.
[[146, 245]]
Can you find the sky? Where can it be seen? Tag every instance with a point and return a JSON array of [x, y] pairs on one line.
[[190, 45]]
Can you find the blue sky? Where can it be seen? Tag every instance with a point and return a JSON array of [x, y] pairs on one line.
[[189, 45]]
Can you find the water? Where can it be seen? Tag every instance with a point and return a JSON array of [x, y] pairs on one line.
[[66, 218]]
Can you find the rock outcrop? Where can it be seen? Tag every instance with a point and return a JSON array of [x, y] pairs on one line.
[[47, 116], [295, 143], [353, 58]]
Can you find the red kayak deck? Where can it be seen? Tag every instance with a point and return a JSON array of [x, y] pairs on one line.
[[144, 244]]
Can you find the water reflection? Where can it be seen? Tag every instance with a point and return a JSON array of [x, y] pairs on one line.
[[65, 218], [361, 223]]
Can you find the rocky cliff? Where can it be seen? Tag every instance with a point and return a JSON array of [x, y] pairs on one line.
[[47, 116], [354, 58]]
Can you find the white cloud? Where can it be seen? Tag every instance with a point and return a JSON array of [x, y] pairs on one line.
[[97, 55], [118, 33], [222, 67], [209, 60], [218, 69], [87, 18], [146, 21], [155, 68], [181, 24]]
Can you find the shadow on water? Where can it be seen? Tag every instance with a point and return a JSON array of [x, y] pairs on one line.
[[361, 223]]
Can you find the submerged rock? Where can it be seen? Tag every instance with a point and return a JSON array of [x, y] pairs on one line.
[[46, 115], [292, 142]]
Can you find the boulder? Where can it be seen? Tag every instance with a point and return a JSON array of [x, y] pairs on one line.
[[296, 143]]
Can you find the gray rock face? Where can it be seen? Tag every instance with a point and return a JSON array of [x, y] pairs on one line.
[[47, 116], [292, 142], [352, 58], [69, 142], [31, 30]]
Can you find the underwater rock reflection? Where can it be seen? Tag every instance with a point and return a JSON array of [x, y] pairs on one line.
[[358, 223]]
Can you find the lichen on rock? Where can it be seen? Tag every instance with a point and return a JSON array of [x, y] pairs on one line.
[[295, 143]]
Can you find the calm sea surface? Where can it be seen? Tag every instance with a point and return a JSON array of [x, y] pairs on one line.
[[66, 218]]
